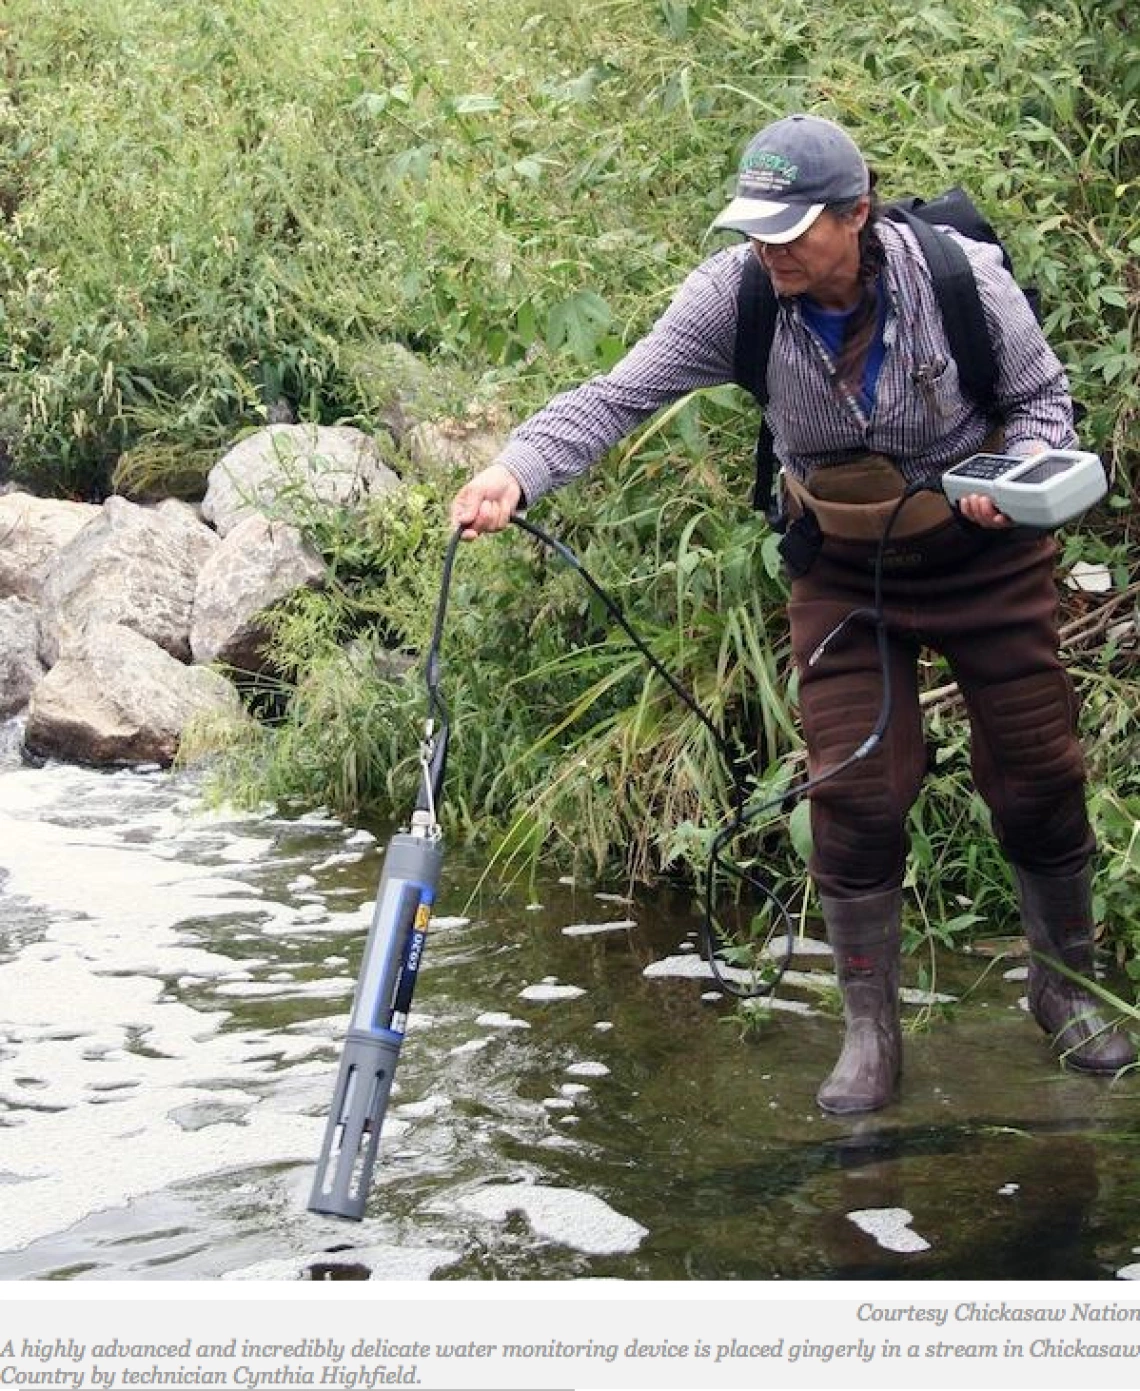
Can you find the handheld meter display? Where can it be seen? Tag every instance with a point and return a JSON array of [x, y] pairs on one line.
[[1044, 490]]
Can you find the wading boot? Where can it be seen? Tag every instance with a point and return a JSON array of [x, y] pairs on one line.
[[1056, 914], [864, 936]]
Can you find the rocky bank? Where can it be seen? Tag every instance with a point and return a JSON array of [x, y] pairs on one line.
[[121, 624]]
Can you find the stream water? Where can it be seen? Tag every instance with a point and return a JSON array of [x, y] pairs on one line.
[[572, 1100]]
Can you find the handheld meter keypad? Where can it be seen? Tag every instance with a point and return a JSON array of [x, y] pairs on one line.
[[1044, 490]]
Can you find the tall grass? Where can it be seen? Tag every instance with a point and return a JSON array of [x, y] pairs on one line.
[[208, 206], [212, 204]]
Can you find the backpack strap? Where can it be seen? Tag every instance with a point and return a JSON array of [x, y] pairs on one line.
[[960, 305], [953, 208], [756, 308]]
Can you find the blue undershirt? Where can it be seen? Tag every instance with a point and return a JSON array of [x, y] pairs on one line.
[[830, 326]]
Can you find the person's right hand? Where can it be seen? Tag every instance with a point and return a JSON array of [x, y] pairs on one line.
[[486, 502]]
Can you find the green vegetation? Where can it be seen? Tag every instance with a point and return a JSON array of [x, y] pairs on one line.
[[207, 206]]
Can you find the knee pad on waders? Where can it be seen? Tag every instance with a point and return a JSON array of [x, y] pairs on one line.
[[858, 818], [1030, 769]]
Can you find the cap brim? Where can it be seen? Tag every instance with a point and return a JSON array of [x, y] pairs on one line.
[[768, 221]]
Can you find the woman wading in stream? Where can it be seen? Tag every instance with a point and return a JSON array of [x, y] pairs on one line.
[[864, 400]]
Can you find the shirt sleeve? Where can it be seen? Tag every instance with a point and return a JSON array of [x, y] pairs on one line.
[[690, 346], [1032, 388]]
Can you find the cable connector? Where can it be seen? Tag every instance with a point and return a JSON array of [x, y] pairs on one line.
[[424, 826], [425, 821]]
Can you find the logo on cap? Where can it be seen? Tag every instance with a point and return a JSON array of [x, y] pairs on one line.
[[763, 171]]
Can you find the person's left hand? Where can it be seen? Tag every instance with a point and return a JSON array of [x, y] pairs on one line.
[[983, 511]]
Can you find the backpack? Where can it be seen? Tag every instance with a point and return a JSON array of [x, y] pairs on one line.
[[954, 288]]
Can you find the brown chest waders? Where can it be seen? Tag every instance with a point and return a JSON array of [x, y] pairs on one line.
[[987, 602]]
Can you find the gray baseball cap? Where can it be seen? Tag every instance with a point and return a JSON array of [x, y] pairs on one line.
[[788, 175]]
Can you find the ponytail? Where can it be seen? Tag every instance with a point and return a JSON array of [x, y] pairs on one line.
[[862, 324]]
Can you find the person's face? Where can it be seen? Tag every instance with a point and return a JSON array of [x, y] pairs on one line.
[[822, 262]]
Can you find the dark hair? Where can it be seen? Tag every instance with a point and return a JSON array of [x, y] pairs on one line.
[[860, 330]]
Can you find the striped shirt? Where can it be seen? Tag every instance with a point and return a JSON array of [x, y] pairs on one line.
[[920, 417]]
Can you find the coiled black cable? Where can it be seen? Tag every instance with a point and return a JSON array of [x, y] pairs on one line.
[[743, 815]]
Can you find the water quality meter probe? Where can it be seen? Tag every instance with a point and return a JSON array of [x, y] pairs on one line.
[[409, 880], [381, 1004], [392, 954]]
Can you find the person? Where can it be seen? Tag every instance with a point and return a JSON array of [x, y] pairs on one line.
[[863, 402]]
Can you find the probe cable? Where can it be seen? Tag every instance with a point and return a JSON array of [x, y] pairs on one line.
[[742, 816]]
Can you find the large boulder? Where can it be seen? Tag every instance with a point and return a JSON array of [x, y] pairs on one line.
[[287, 470], [20, 667], [258, 564], [116, 697], [132, 565], [33, 531]]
